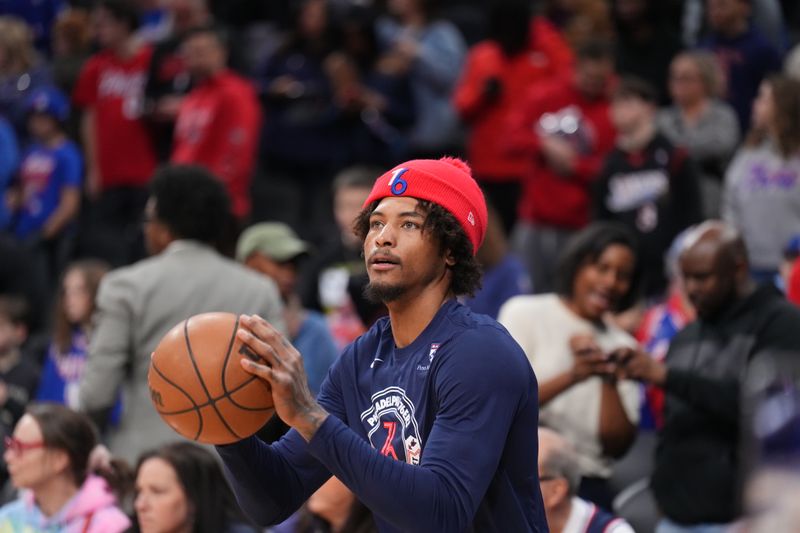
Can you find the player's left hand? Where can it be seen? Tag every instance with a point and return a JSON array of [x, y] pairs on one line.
[[283, 370]]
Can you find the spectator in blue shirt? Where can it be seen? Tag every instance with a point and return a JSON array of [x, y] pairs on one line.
[[50, 174], [9, 158], [72, 324]]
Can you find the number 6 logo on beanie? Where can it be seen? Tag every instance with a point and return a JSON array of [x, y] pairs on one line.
[[397, 184]]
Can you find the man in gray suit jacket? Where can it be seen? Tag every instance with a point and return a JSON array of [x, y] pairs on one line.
[[185, 217]]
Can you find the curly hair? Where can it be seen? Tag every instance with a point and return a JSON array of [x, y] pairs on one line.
[[451, 237], [586, 247]]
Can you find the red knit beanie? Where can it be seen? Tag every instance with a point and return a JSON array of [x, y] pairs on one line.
[[448, 182]]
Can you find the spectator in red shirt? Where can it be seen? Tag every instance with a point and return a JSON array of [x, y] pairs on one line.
[[219, 120], [521, 52], [563, 131], [119, 155]]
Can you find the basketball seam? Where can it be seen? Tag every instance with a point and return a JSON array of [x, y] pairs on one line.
[[196, 408], [202, 382], [228, 356], [227, 395]]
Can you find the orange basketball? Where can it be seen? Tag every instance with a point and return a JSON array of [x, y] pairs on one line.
[[198, 386]]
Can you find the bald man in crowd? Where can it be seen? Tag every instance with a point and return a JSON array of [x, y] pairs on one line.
[[559, 477], [699, 464]]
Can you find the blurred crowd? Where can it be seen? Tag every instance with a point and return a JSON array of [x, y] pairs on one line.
[[640, 159]]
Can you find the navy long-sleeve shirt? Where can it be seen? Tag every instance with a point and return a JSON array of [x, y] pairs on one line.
[[440, 435]]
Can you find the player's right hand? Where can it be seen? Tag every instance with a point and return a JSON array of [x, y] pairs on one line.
[[283, 370]]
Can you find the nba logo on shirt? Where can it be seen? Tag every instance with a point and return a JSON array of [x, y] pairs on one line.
[[434, 347]]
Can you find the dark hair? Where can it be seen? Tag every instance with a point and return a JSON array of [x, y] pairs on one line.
[[122, 10], [631, 86], [586, 247], [359, 21], [92, 271], [451, 237], [595, 50], [295, 41], [69, 431], [15, 309], [509, 25], [191, 202], [74, 26], [359, 520], [199, 473]]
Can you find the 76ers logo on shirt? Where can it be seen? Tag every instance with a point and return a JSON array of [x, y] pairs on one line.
[[392, 427], [397, 184]]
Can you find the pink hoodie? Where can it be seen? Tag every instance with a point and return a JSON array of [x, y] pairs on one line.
[[92, 510]]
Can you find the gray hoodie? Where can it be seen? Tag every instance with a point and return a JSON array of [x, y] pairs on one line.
[[762, 199]]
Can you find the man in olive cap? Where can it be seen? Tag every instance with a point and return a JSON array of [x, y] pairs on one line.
[[274, 250]]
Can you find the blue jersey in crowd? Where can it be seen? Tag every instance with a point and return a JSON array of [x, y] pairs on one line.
[[44, 173], [9, 158], [62, 372], [440, 435]]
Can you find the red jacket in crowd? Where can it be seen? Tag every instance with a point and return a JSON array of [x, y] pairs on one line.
[[217, 127], [548, 57], [793, 289], [114, 89], [550, 198]]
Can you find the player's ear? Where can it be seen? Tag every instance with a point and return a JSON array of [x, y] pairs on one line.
[[449, 260]]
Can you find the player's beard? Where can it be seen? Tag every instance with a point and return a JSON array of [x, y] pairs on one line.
[[384, 292]]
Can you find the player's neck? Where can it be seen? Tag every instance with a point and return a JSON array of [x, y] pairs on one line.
[[410, 316]]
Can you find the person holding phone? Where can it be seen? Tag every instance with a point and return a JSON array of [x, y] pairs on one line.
[[572, 347]]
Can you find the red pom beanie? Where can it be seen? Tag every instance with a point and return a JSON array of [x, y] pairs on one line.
[[448, 182]]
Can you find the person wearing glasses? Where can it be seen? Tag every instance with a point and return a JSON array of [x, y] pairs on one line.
[[48, 460], [559, 477]]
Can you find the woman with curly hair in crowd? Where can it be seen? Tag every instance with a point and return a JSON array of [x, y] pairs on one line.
[[574, 348]]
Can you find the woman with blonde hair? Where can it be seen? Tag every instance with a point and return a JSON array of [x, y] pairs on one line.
[[20, 71], [762, 185], [700, 121]]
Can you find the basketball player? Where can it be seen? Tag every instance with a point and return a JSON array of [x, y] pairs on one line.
[[431, 416]]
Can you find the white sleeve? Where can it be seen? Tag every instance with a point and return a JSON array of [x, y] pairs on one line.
[[619, 525]]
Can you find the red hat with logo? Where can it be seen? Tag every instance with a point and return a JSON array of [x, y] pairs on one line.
[[448, 182]]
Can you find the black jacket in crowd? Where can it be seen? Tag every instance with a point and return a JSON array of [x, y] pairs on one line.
[[699, 465], [655, 193]]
